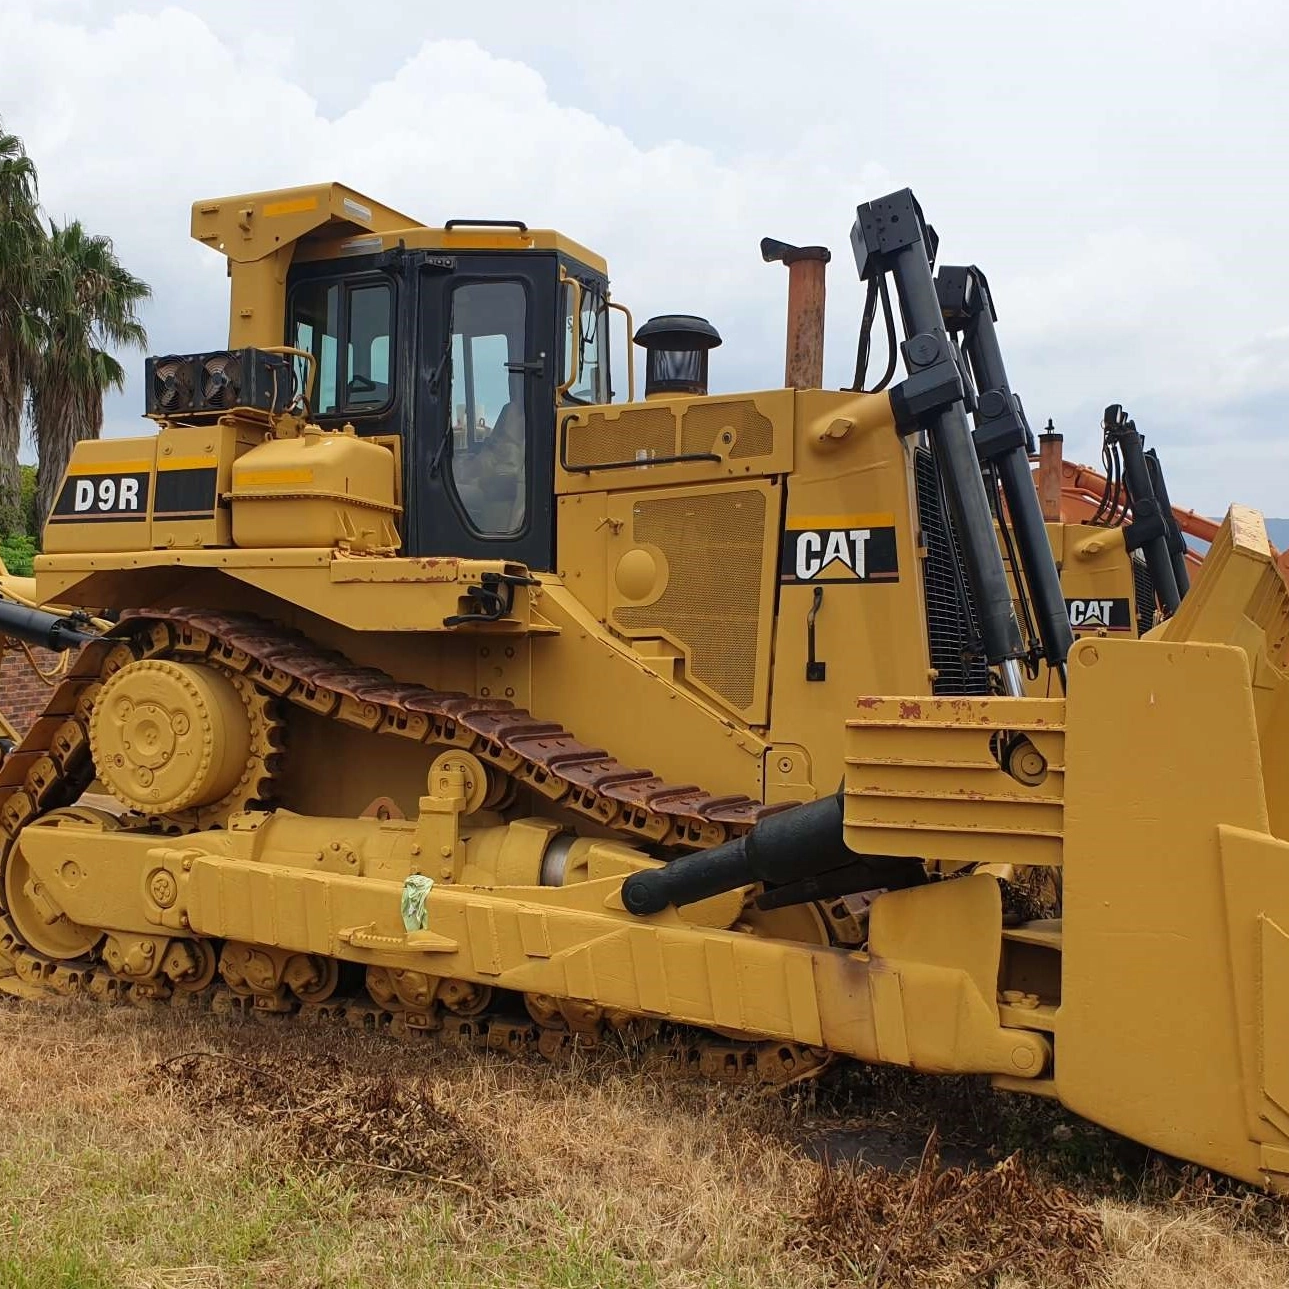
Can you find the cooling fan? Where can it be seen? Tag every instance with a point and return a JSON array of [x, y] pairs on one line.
[[211, 384], [172, 384], [221, 380]]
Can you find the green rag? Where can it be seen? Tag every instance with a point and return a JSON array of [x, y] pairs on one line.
[[415, 889]]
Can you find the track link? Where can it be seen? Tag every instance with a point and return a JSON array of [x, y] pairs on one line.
[[52, 768], [537, 753]]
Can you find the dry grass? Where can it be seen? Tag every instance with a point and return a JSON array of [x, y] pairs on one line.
[[170, 1151], [949, 1226]]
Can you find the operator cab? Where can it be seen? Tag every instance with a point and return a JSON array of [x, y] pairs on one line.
[[461, 341]]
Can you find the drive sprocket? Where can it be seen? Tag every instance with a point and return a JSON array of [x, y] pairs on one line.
[[186, 741]]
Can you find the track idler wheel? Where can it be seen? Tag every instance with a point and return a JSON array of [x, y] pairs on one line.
[[33, 909], [36, 916]]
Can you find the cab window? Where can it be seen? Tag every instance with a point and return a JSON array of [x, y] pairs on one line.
[[347, 327], [586, 335], [489, 438]]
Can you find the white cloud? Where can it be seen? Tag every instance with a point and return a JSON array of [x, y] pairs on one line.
[[1109, 170]]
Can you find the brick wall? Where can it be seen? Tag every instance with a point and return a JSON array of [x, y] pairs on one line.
[[23, 694]]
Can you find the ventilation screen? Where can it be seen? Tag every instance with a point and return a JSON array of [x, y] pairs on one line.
[[703, 422], [715, 549], [950, 630], [649, 432], [1144, 586]]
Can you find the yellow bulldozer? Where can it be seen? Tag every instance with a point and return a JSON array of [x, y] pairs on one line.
[[447, 695]]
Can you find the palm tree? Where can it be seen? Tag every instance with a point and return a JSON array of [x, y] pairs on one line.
[[89, 305], [21, 239]]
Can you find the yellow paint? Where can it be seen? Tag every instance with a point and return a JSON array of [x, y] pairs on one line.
[[186, 463], [875, 520], [296, 206], [273, 478], [109, 467]]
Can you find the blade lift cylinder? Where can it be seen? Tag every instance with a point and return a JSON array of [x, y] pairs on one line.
[[891, 236], [1003, 440]]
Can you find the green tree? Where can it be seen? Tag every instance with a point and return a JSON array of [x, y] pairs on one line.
[[89, 305], [21, 329]]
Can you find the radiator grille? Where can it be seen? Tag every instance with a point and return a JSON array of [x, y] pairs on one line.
[[703, 422], [601, 441], [950, 629], [1144, 586], [714, 547]]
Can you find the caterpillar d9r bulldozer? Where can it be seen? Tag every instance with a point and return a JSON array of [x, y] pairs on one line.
[[447, 696]]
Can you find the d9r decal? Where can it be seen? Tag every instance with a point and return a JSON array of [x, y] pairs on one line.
[[839, 548], [87, 497]]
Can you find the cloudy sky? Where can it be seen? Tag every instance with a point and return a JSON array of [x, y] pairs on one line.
[[1116, 167]]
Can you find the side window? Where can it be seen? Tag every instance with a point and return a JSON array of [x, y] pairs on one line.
[[353, 376], [315, 309], [367, 370], [489, 439], [587, 336]]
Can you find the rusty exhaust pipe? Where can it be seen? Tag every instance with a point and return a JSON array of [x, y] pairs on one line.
[[803, 366], [1049, 473]]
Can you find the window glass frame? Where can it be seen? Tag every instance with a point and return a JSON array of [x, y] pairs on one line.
[[349, 283], [594, 289], [468, 519]]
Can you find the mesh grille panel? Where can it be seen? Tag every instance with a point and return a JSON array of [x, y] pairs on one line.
[[1144, 586], [706, 420], [714, 547], [950, 630], [599, 440]]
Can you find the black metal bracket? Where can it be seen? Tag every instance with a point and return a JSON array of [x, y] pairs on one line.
[[495, 596], [935, 382], [1147, 525], [964, 291], [815, 670], [887, 226]]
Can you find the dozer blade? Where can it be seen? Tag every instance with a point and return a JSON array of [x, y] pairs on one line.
[[1165, 986]]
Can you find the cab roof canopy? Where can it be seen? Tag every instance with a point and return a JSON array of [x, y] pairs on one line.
[[324, 221]]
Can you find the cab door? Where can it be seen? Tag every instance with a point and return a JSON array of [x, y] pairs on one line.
[[482, 468]]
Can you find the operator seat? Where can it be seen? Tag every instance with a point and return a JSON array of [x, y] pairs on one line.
[[493, 487]]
